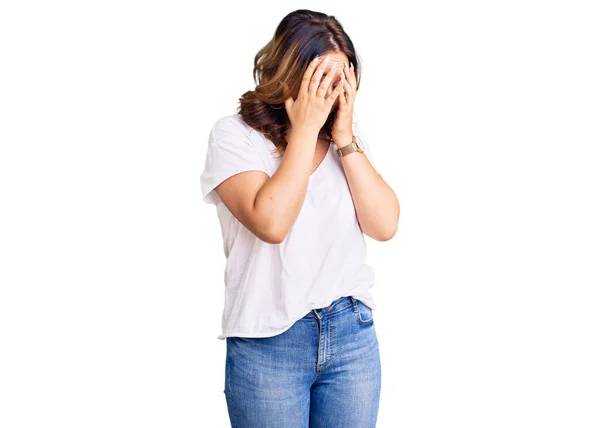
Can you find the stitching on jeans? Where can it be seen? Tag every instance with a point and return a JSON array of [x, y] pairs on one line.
[[321, 345], [364, 321], [353, 303], [330, 340], [229, 376], [226, 375], [330, 343], [331, 330], [339, 310]]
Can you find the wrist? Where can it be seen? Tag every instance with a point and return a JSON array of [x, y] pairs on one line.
[[342, 140], [304, 133]]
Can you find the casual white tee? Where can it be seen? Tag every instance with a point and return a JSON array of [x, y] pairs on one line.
[[268, 287]]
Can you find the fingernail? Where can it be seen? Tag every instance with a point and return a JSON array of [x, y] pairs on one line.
[[316, 58]]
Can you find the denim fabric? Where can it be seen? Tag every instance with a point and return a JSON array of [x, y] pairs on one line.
[[323, 372]]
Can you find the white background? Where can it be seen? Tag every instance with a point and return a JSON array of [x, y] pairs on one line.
[[482, 116]]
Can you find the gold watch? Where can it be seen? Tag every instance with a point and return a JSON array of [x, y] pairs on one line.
[[349, 148]]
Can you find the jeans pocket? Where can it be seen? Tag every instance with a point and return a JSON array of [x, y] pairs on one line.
[[364, 313]]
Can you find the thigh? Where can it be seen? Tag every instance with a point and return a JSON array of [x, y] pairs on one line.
[[346, 392], [267, 380]]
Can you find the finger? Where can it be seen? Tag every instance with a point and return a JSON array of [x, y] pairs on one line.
[[288, 104], [350, 74], [343, 100], [336, 92], [348, 82], [308, 74], [316, 77], [349, 91], [326, 83], [345, 96]]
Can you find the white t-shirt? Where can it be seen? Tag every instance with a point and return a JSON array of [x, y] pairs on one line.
[[268, 287]]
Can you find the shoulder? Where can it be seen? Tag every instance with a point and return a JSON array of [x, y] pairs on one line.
[[232, 131], [232, 123]]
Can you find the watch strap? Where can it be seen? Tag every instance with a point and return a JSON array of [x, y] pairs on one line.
[[349, 148]]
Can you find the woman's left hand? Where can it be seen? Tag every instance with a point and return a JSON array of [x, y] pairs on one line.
[[341, 130]]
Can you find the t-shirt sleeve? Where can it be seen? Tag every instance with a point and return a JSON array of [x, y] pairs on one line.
[[230, 151]]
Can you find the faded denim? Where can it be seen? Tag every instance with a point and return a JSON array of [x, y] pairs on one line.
[[323, 372]]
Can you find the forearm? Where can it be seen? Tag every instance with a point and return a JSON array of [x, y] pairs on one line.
[[377, 206], [281, 198]]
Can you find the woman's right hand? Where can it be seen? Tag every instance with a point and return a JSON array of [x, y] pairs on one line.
[[311, 107]]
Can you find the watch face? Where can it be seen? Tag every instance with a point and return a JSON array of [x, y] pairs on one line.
[[359, 143]]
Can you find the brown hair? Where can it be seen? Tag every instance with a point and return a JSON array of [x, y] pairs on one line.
[[280, 65]]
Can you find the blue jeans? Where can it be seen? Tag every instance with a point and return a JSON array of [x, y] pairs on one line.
[[323, 372]]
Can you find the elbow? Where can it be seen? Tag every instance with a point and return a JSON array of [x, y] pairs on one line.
[[272, 234], [391, 230], [266, 228], [386, 236], [273, 238], [388, 232], [277, 237]]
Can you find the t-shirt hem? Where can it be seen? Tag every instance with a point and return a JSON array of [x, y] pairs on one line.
[[270, 334]]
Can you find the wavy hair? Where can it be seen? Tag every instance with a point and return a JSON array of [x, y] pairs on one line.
[[280, 65]]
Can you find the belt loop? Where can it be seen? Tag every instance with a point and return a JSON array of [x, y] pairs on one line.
[[355, 306]]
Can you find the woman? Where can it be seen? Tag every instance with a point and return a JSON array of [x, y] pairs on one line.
[[298, 321]]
